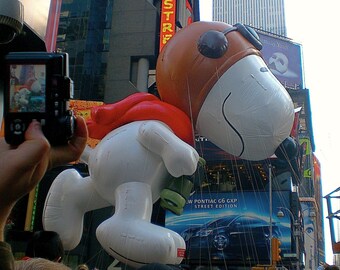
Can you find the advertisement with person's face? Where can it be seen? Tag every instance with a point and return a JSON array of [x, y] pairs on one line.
[[284, 59], [309, 234]]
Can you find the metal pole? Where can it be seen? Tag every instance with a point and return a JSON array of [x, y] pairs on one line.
[[296, 233], [270, 213], [297, 247], [142, 75]]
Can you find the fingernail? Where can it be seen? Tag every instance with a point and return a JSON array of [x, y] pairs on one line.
[[36, 124]]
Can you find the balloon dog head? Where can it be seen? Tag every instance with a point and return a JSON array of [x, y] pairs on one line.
[[215, 74]]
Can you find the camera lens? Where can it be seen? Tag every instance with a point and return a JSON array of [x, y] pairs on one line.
[[11, 20], [6, 34]]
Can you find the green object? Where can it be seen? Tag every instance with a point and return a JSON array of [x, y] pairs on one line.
[[174, 197], [201, 162]]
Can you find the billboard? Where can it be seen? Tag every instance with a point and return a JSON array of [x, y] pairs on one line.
[[211, 152], [232, 227], [83, 108], [284, 58], [310, 234], [306, 159]]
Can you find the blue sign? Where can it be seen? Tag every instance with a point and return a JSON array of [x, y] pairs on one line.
[[232, 226]]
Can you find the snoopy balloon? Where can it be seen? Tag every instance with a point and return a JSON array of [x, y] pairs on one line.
[[213, 82]]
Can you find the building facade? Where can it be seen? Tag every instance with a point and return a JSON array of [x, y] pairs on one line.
[[267, 15], [113, 44]]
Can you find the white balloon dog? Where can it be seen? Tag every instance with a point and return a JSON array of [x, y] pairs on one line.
[[231, 98]]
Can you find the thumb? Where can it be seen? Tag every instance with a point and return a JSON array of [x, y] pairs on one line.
[[35, 147]]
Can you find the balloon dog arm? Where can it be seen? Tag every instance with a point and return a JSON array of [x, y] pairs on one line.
[[179, 157], [86, 154]]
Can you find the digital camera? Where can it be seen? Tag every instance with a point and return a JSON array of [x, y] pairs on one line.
[[37, 86]]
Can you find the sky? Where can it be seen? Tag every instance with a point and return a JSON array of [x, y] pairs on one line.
[[315, 25]]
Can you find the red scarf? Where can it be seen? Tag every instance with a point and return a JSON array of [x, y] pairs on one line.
[[138, 107]]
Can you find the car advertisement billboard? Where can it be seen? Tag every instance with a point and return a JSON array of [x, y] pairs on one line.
[[232, 227], [211, 152], [284, 58]]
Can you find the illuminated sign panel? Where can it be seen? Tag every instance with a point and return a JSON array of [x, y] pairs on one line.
[[232, 226], [83, 108], [284, 59], [307, 157], [168, 22]]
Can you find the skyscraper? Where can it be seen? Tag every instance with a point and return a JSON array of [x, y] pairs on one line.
[[267, 15], [84, 31]]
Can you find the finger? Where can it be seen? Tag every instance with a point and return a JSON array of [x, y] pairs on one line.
[[34, 148], [29, 161], [71, 152], [4, 146], [81, 130]]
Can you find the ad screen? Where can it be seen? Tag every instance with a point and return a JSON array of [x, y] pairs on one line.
[[232, 227], [27, 86]]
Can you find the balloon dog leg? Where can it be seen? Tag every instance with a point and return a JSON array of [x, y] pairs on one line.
[[68, 199], [130, 237]]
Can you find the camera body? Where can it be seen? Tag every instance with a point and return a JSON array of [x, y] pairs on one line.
[[37, 86]]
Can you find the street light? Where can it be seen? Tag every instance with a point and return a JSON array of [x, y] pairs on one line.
[[296, 232]]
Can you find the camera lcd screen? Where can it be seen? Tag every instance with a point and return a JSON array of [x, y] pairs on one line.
[[27, 87]]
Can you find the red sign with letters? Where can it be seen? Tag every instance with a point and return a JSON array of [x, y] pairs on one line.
[[168, 22]]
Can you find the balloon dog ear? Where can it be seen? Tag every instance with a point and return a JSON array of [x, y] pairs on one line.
[[212, 44]]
